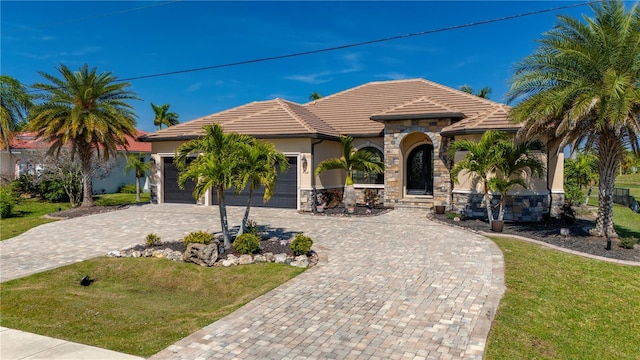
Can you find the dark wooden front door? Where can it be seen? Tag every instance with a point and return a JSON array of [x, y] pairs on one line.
[[420, 171]]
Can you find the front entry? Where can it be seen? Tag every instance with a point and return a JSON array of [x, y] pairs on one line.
[[420, 171]]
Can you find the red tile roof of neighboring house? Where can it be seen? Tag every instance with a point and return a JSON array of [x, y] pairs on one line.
[[350, 112], [28, 140]]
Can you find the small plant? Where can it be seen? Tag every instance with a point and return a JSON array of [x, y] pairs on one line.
[[127, 189], [153, 239], [628, 242], [252, 227], [247, 244], [7, 201], [198, 237], [452, 215], [301, 244]]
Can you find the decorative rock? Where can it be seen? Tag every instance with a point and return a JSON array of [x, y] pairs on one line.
[[147, 252], [158, 253], [300, 261], [231, 260], [174, 255], [136, 254], [114, 253], [269, 256], [245, 260], [281, 258], [260, 259], [201, 254]]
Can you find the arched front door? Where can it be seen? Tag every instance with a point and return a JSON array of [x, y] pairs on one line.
[[420, 170]]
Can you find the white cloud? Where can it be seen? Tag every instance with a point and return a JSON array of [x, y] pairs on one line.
[[466, 61], [318, 78], [61, 54], [194, 87], [393, 75]]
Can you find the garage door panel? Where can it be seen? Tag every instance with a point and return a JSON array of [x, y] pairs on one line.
[[172, 192]]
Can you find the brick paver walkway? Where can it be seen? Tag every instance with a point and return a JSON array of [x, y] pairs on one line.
[[395, 286]]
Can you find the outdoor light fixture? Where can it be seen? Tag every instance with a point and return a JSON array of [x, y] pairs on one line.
[[304, 163]]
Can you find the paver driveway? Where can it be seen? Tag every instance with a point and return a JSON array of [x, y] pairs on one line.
[[395, 285]]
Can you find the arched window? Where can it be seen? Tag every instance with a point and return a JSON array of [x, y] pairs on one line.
[[359, 177]]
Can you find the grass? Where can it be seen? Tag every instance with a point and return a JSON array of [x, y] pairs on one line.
[[137, 306], [625, 221], [573, 308], [631, 182], [29, 213]]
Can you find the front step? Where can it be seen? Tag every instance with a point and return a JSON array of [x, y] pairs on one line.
[[415, 203]]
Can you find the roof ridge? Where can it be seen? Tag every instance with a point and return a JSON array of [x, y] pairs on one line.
[[423, 97], [312, 102], [236, 119], [470, 96], [286, 106]]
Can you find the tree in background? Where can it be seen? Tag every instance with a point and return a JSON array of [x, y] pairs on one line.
[[579, 173], [315, 96], [162, 116], [14, 105], [136, 163], [581, 86], [483, 93], [351, 159], [88, 113]]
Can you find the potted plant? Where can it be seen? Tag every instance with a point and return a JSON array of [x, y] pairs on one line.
[[440, 209]]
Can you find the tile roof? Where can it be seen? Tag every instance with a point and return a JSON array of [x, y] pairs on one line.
[[349, 112], [496, 118], [28, 140]]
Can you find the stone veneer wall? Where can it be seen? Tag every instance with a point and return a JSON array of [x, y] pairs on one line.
[[394, 133], [517, 207], [306, 197]]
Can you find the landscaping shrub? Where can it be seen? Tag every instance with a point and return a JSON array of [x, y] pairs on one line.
[[127, 189], [152, 239], [26, 184], [52, 189], [198, 237], [252, 227], [301, 244], [247, 244], [628, 242], [573, 194], [7, 201], [452, 215]]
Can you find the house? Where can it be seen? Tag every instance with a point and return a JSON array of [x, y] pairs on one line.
[[408, 123], [27, 157]]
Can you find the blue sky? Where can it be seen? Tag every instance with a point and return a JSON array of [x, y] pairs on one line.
[[133, 39]]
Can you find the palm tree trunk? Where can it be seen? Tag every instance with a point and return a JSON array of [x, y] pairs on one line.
[[87, 187], [501, 211], [223, 217], [245, 218], [137, 189], [487, 203], [610, 154]]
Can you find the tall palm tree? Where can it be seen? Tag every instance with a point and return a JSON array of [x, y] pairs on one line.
[[258, 168], [480, 161], [483, 93], [351, 159], [86, 111], [136, 163], [218, 165], [14, 104], [163, 116], [514, 161], [582, 86], [315, 96]]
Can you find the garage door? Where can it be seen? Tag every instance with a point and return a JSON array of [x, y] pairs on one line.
[[285, 194], [172, 193]]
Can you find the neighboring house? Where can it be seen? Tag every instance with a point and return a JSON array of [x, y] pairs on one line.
[[408, 123], [26, 157]]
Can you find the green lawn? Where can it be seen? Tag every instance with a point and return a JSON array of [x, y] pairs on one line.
[[137, 306], [625, 221], [631, 182], [573, 308], [29, 213]]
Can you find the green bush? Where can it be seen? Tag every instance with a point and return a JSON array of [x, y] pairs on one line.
[[53, 190], [252, 227], [127, 189], [301, 244], [247, 244], [152, 239], [7, 201], [573, 194], [198, 237], [452, 215], [26, 184], [628, 242]]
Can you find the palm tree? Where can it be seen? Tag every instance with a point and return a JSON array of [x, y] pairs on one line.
[[86, 111], [258, 168], [581, 86], [14, 104], [582, 171], [514, 161], [218, 165], [483, 93], [315, 96], [136, 162], [480, 161], [163, 116], [351, 159]]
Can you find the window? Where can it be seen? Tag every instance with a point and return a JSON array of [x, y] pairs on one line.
[[359, 177]]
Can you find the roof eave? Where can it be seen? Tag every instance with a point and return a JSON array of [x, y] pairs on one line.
[[449, 133], [257, 136], [452, 115]]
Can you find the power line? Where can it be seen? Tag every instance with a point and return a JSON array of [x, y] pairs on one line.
[[352, 45]]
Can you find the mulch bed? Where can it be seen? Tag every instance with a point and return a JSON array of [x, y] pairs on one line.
[[358, 211], [84, 211], [578, 239]]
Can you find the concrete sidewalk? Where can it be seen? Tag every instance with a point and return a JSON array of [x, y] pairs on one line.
[[18, 345]]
